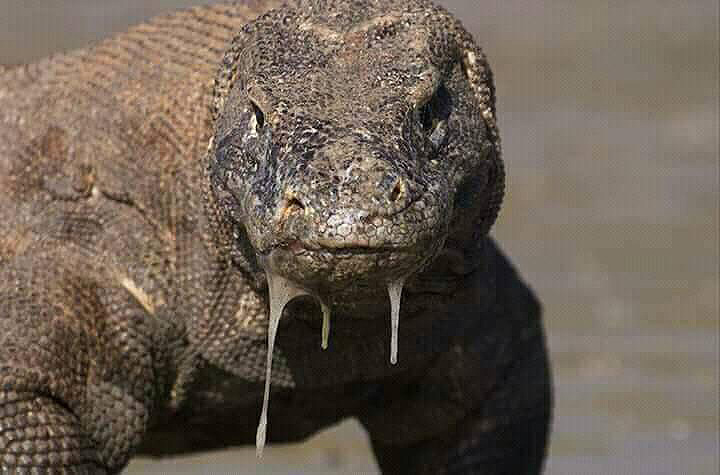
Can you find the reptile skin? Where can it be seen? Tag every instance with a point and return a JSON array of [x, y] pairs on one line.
[[151, 187]]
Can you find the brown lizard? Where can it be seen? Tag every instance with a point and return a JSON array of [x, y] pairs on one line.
[[166, 195]]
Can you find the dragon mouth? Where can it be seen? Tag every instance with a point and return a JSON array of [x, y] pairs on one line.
[[339, 246], [341, 267], [329, 248]]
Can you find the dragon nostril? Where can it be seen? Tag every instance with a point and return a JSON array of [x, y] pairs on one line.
[[292, 206], [398, 191]]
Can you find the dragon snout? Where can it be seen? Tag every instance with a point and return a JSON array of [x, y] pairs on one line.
[[334, 214]]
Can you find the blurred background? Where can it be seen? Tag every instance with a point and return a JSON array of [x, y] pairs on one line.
[[609, 118]]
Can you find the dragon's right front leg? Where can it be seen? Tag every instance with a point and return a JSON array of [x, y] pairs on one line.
[[76, 369], [39, 435]]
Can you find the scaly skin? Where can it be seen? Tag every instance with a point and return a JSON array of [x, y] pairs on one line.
[[147, 184]]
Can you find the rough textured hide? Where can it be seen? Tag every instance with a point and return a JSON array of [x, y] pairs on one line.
[[152, 185]]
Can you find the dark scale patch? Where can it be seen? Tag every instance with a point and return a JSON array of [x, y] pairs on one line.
[[45, 165]]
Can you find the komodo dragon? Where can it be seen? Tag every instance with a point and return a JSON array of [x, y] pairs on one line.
[[166, 194]]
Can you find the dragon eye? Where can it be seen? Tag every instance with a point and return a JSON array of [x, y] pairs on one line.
[[434, 115], [259, 116]]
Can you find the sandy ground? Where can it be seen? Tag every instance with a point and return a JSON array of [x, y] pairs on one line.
[[609, 115]]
